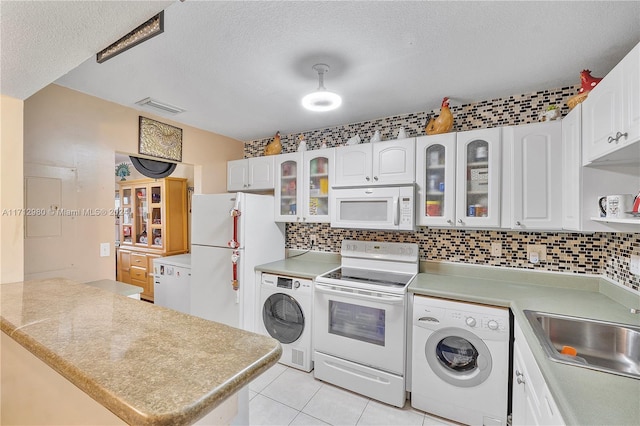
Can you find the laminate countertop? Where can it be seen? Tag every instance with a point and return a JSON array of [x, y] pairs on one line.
[[584, 396], [146, 364]]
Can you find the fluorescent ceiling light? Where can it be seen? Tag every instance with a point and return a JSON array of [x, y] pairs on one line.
[[144, 32], [160, 106], [321, 99]]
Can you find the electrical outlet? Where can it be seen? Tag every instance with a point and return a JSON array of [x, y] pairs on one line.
[[634, 264], [104, 249], [313, 240], [539, 249], [496, 249]]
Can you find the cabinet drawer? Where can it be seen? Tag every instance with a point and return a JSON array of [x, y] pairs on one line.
[[137, 273], [139, 260]]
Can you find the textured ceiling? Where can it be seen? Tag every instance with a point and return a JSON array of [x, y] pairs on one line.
[[240, 68]]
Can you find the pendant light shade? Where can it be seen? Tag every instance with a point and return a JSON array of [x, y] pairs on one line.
[[321, 99]]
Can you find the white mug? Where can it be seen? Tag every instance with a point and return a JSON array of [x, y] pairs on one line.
[[618, 206]]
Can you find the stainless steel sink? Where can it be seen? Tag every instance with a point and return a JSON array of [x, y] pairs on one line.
[[600, 345]]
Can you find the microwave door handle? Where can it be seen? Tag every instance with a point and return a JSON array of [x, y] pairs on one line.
[[381, 298], [396, 211]]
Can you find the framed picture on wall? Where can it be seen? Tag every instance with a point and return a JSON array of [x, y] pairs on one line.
[[159, 140]]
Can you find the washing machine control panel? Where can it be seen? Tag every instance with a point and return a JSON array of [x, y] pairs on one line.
[[288, 283], [479, 321]]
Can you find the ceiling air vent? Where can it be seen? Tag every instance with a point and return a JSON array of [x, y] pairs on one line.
[[158, 106]]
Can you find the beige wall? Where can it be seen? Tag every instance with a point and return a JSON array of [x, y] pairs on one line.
[[11, 193], [72, 138]]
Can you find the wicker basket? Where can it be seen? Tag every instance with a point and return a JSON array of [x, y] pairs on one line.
[[575, 100]]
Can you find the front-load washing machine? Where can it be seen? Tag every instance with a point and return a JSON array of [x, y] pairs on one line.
[[285, 314], [460, 360]]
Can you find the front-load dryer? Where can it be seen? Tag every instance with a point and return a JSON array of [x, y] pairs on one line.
[[285, 314], [460, 360]]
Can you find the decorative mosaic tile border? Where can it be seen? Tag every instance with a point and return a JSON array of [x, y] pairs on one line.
[[599, 253]]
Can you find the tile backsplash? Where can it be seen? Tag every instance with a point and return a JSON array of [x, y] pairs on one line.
[[596, 253]]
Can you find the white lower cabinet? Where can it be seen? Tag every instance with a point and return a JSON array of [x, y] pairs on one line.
[[532, 173], [532, 403]]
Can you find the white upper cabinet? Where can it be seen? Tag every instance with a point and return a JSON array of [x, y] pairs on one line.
[[435, 180], [251, 174], [478, 178], [572, 170], [303, 186], [533, 167], [611, 115], [378, 163]]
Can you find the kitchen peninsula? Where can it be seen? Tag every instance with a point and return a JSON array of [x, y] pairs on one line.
[[142, 363]]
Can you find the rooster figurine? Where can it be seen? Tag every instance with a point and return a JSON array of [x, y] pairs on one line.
[[274, 147], [587, 82], [443, 123]]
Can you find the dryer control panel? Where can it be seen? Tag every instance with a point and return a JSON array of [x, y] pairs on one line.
[[289, 283]]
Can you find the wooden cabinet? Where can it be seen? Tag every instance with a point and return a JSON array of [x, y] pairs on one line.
[[303, 186], [532, 173], [378, 163], [478, 178], [153, 223], [611, 115], [532, 402], [251, 174]]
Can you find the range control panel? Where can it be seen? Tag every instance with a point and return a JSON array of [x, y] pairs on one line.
[[404, 252]]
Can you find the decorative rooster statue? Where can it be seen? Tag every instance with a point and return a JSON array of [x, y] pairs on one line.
[[274, 147], [443, 123], [587, 82]]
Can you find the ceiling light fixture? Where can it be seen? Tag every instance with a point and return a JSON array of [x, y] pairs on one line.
[[321, 99], [159, 106], [144, 32]]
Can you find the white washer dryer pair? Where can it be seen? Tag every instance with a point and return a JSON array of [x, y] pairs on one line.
[[285, 310], [460, 360]]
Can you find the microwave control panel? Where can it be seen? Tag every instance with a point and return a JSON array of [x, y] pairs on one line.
[[406, 211]]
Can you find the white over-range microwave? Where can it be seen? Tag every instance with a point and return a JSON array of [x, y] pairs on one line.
[[384, 207]]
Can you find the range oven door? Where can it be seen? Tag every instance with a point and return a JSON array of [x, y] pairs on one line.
[[367, 327]]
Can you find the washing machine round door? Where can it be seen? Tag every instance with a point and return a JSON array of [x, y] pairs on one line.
[[283, 318], [458, 357]]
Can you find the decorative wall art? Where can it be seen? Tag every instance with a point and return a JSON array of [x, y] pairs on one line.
[[159, 140]]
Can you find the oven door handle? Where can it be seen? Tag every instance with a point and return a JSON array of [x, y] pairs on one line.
[[388, 299]]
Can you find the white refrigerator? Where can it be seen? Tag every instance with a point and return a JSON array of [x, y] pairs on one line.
[[259, 240]]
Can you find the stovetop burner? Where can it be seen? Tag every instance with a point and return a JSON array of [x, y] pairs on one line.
[[368, 276]]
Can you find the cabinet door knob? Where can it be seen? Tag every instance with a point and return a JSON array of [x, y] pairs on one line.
[[519, 377], [619, 135], [518, 223], [367, 178], [610, 139], [460, 221], [449, 221], [375, 178]]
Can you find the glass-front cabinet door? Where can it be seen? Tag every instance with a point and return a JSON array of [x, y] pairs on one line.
[[317, 167], [288, 191], [478, 178], [126, 217], [141, 215], [155, 210], [435, 178]]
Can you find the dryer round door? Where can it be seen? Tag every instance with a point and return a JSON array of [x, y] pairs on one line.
[[283, 318], [458, 357]]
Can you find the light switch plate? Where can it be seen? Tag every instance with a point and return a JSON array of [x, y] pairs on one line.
[[540, 249], [634, 264], [104, 249], [496, 249]]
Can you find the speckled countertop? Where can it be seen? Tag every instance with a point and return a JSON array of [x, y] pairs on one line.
[[584, 397], [305, 265], [116, 287], [147, 364]]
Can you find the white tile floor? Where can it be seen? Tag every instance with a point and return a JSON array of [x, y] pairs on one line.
[[287, 396]]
